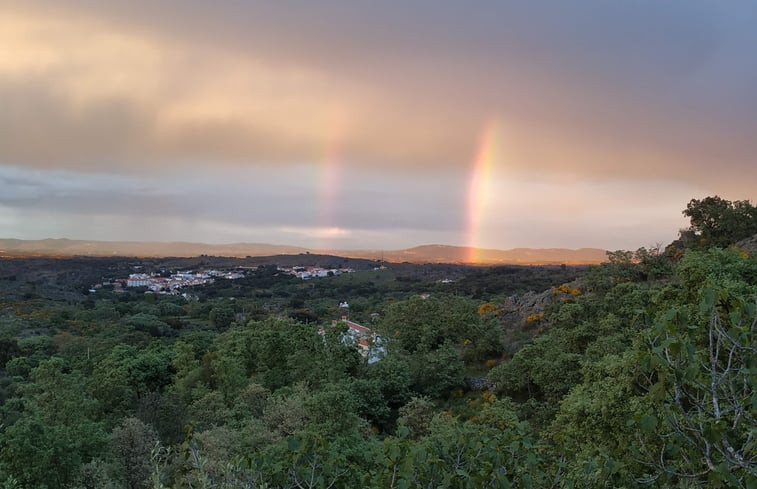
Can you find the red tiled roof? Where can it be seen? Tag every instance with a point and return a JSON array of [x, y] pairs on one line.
[[357, 327]]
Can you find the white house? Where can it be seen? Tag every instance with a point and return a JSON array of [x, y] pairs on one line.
[[138, 280], [370, 343]]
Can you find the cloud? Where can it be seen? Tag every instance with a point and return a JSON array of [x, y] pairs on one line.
[[317, 232], [255, 198], [224, 118], [595, 89], [82, 93], [371, 210]]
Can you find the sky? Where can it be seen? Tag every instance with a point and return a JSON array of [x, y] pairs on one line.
[[373, 125]]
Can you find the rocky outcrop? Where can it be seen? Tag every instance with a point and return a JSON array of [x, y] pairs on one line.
[[518, 308], [748, 244], [523, 317], [478, 383]]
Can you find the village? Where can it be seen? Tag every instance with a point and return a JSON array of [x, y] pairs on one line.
[[306, 273], [159, 284]]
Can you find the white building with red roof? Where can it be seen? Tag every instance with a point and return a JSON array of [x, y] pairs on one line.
[[367, 341]]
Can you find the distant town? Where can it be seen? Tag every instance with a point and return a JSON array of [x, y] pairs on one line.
[[172, 284], [306, 273], [160, 284]]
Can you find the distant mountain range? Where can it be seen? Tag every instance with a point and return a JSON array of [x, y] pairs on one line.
[[421, 254], [71, 247], [463, 254]]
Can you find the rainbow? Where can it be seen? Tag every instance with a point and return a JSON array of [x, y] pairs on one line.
[[330, 176], [479, 190]]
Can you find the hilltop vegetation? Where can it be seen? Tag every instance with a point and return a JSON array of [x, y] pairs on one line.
[[639, 372]]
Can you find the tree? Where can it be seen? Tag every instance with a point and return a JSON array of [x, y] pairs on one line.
[[148, 323], [251, 401], [222, 316], [56, 431], [426, 324], [468, 455], [435, 372], [324, 419], [719, 222], [8, 349], [165, 412], [703, 364], [132, 443], [416, 416], [171, 309], [593, 427], [127, 374], [384, 388], [209, 411], [285, 412], [95, 475]]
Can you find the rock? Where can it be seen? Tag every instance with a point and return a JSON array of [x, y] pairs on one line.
[[478, 383], [748, 244], [518, 308]]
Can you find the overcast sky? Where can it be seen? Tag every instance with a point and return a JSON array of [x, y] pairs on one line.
[[363, 124]]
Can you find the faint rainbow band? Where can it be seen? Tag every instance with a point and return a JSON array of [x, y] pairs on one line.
[[479, 189]]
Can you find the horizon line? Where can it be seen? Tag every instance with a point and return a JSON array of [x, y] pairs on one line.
[[306, 248]]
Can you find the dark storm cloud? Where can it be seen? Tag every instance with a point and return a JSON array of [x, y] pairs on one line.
[[615, 88]]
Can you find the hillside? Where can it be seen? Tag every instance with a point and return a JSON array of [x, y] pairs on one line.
[[637, 372], [419, 254], [516, 256], [69, 247]]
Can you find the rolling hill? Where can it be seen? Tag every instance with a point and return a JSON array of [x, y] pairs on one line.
[[10, 248]]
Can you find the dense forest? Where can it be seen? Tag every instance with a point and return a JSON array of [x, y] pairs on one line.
[[639, 372]]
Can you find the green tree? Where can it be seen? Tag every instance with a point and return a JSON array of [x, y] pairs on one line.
[[331, 411], [96, 474], [8, 349], [705, 388], [148, 323], [419, 324], [383, 388], [286, 412], [469, 455], [594, 428], [128, 373], [57, 429], [132, 443], [416, 416], [436, 372], [222, 316], [171, 309], [719, 222], [251, 401], [209, 411]]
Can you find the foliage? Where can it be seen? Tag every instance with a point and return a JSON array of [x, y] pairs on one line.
[[701, 365], [132, 443], [639, 372], [222, 316], [719, 222]]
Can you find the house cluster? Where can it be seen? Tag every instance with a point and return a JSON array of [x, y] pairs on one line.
[[369, 343], [115, 284], [170, 285], [306, 273], [228, 275]]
